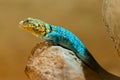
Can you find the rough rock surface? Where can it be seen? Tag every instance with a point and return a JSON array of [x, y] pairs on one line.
[[111, 17], [50, 62]]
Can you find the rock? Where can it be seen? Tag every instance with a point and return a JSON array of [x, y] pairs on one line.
[[51, 62], [111, 17]]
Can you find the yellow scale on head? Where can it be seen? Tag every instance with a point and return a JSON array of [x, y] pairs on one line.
[[36, 27]]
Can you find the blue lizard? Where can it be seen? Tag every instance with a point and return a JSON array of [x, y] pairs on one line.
[[60, 36]]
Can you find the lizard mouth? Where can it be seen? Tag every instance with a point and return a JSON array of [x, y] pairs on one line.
[[21, 22], [21, 25]]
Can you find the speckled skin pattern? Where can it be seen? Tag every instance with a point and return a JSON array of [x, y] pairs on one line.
[[59, 36]]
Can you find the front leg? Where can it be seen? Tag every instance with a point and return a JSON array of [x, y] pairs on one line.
[[52, 37]]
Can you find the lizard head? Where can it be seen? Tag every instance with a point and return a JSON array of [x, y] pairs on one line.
[[35, 26]]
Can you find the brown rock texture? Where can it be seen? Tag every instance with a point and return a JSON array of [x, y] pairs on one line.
[[51, 62], [111, 16]]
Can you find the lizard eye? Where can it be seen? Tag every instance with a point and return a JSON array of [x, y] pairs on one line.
[[27, 21]]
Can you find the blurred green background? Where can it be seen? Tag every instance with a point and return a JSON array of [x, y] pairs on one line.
[[82, 17]]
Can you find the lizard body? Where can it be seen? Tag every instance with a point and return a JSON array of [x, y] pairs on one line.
[[60, 36]]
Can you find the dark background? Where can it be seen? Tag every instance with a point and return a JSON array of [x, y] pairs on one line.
[[82, 17]]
